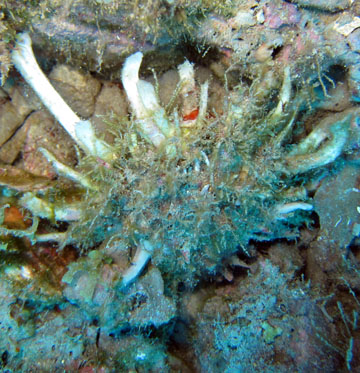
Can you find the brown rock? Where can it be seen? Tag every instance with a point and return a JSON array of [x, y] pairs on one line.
[[77, 89], [286, 257], [10, 120], [20, 180], [45, 132], [167, 85], [10, 150], [24, 99], [110, 104], [12, 115]]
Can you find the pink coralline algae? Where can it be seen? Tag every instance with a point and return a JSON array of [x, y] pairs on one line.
[[283, 15]]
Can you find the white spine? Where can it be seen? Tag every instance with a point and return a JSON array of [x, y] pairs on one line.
[[143, 100], [142, 256], [25, 62], [81, 131]]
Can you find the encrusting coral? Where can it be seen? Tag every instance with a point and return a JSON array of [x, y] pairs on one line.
[[185, 187]]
